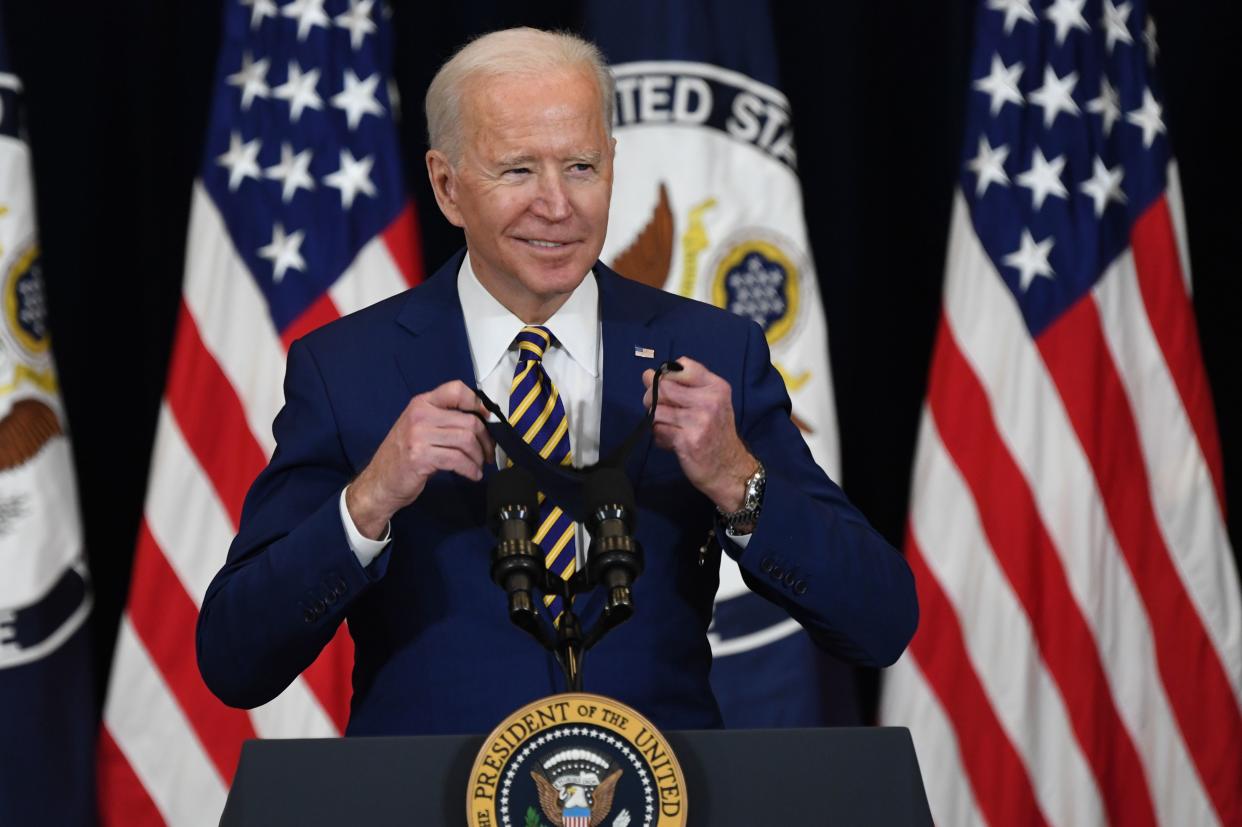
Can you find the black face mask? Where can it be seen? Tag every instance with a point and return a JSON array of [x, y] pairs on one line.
[[560, 483]]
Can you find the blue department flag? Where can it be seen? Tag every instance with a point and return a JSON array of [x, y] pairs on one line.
[[707, 204], [47, 700]]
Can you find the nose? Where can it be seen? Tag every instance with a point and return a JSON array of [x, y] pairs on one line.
[[552, 201]]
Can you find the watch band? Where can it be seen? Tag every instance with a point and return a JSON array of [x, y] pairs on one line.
[[752, 503]]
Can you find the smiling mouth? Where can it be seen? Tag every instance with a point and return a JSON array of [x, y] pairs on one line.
[[546, 245]]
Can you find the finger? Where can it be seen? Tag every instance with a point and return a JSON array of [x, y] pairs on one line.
[[669, 417], [692, 373], [696, 424], [431, 417], [460, 439], [438, 428], [478, 407], [472, 428], [454, 461], [668, 379], [649, 383], [444, 396], [664, 437], [685, 396], [670, 394], [455, 395], [484, 439]]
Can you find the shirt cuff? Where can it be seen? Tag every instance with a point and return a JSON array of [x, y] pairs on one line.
[[364, 548], [741, 539]]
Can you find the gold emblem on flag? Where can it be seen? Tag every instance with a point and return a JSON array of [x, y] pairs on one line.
[[757, 277], [26, 424], [25, 353], [24, 312]]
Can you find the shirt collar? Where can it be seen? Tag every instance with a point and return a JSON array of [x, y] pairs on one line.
[[491, 327]]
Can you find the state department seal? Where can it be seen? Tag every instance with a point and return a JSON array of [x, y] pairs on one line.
[[756, 276], [24, 308], [27, 421], [576, 760]]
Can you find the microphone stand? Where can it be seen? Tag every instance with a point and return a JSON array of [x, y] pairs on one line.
[[570, 649], [616, 560]]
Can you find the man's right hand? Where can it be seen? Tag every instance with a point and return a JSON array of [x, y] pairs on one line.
[[437, 431]]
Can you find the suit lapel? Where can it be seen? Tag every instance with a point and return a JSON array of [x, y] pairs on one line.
[[628, 337], [434, 348]]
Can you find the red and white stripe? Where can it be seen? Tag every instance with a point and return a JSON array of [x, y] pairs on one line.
[[169, 748], [1079, 656]]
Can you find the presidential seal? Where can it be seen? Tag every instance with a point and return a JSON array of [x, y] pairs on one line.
[[576, 760]]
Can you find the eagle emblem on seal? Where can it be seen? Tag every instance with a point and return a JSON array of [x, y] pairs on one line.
[[576, 787]]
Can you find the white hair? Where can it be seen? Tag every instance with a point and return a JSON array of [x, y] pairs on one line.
[[523, 52]]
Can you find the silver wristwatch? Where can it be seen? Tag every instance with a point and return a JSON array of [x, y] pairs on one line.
[[752, 502]]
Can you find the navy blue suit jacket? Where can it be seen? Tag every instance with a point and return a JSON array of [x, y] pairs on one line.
[[435, 651]]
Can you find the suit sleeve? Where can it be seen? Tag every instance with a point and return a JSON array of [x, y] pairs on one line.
[[290, 575], [812, 552]]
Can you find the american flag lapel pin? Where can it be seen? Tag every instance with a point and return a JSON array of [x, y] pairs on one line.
[[644, 352]]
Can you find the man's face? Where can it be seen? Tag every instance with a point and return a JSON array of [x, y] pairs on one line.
[[532, 186]]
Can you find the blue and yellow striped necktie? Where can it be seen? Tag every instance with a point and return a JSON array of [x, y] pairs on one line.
[[538, 414]]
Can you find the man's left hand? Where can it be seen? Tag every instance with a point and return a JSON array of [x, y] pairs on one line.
[[694, 420]]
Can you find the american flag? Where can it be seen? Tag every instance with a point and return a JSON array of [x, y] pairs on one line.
[[1079, 658], [298, 216]]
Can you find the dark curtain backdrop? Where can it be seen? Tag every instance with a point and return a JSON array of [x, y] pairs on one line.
[[117, 100]]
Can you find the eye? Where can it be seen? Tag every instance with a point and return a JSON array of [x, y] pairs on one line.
[[582, 166], [517, 171]]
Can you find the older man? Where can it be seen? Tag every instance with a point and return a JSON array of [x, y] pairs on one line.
[[371, 510]]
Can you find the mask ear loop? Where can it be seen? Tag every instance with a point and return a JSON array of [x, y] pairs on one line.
[[668, 366], [618, 457]]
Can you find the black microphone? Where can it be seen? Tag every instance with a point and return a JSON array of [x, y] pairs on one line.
[[616, 558], [517, 562]]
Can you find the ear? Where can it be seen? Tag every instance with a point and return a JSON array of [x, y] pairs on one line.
[[610, 158], [443, 177]]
